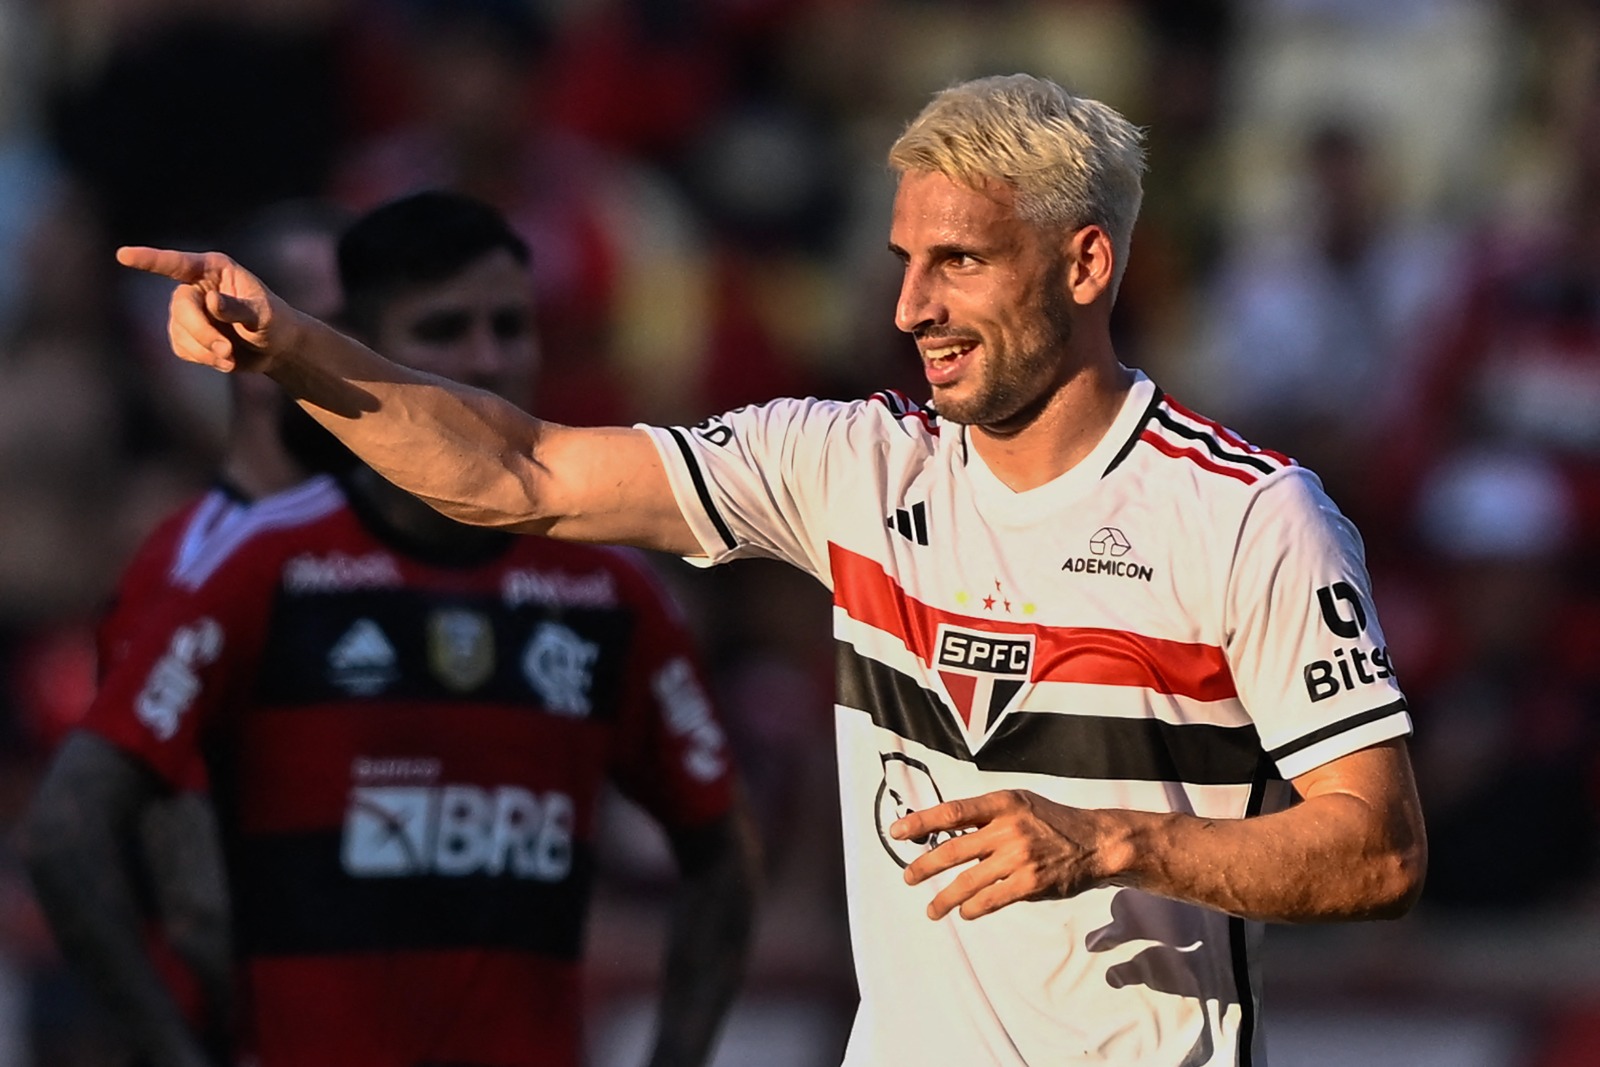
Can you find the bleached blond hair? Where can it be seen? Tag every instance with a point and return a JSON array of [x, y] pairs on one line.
[[1071, 161]]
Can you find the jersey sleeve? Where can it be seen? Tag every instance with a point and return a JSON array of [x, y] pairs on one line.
[[753, 482], [147, 575], [1304, 643], [671, 752], [187, 653]]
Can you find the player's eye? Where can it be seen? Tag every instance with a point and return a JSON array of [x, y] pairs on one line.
[[441, 327], [510, 325]]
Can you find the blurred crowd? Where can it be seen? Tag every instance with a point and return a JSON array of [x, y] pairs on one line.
[[1371, 239]]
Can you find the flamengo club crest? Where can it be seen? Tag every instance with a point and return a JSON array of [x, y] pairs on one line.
[[460, 648], [983, 673]]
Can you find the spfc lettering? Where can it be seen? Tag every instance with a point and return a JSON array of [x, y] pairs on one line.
[[982, 671], [984, 652]]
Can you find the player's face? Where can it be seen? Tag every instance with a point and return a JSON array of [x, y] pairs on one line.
[[984, 295], [475, 327]]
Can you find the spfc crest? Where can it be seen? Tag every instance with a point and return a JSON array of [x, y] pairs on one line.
[[460, 648], [983, 673]]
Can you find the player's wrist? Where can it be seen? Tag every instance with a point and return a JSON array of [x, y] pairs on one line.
[[1126, 843]]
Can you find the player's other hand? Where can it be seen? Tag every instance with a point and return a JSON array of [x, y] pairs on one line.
[[1016, 846], [221, 315]]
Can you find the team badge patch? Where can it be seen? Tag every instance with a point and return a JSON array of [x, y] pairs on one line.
[[559, 665], [460, 648], [983, 673]]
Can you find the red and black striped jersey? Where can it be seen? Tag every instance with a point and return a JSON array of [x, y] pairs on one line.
[[407, 752], [1181, 622]]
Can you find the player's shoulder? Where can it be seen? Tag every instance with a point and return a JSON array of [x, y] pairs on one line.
[[1194, 454], [230, 536], [887, 412], [181, 532]]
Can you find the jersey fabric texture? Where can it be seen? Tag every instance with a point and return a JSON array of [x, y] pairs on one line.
[[406, 752], [1179, 623], [156, 568]]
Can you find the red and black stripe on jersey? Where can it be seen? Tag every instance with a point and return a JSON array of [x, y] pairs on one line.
[[435, 706], [294, 896], [1075, 745]]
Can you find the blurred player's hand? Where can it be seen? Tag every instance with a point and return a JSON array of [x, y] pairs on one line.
[[221, 315]]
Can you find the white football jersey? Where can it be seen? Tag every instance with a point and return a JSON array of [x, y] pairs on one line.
[[1181, 622]]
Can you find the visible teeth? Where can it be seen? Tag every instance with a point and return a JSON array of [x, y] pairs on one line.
[[948, 351]]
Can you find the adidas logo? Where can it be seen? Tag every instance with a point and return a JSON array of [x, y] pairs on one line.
[[362, 662], [910, 523]]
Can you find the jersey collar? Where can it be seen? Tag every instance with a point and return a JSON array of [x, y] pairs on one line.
[[1001, 504]]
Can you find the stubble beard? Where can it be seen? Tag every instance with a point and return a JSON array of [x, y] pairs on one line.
[[1014, 386]]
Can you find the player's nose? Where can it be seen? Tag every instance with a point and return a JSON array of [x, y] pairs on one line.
[[918, 305]]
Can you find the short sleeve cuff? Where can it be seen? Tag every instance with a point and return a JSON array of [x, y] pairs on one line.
[[693, 495], [1341, 738]]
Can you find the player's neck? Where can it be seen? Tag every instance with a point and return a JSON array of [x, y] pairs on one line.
[[1072, 420], [412, 523], [259, 466]]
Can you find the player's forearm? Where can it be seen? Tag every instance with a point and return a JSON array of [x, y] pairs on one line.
[[465, 451], [1330, 858], [183, 845], [74, 855], [707, 946]]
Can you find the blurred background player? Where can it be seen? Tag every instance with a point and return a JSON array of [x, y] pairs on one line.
[[406, 725], [269, 446]]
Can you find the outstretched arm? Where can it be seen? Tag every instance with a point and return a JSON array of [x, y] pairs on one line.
[[1352, 849], [472, 455], [712, 914], [79, 836]]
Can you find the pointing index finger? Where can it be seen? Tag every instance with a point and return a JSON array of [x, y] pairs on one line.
[[186, 267], [961, 814]]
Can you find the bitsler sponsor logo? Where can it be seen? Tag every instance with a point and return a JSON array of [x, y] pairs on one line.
[[1349, 667]]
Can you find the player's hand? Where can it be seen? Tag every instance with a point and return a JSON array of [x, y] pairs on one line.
[[1019, 845], [221, 315]]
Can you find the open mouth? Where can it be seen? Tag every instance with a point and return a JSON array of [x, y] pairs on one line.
[[943, 363]]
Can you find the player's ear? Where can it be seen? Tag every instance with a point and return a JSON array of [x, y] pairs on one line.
[[1091, 263]]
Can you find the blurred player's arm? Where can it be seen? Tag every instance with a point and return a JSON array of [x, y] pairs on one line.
[[475, 457], [1353, 848], [712, 915], [182, 847], [80, 837]]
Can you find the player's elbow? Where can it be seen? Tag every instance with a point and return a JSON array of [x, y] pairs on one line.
[[48, 842], [1397, 878]]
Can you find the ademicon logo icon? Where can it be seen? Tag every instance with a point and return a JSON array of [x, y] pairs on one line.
[[1107, 547]]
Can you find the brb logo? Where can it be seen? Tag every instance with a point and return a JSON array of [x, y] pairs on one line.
[[401, 831], [1349, 667]]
